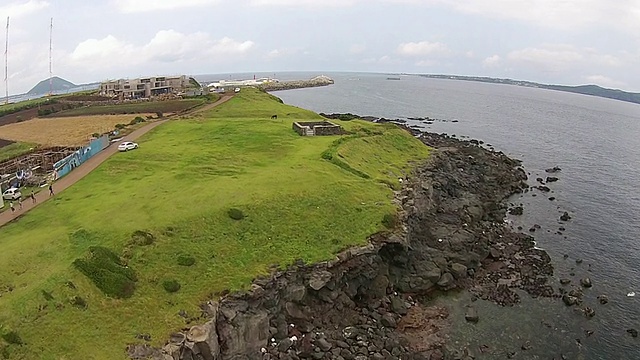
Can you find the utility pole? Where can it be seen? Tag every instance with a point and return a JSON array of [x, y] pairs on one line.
[[50, 59], [6, 64]]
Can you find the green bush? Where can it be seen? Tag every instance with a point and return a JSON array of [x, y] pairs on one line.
[[107, 272], [47, 295], [171, 286], [186, 260], [235, 214], [137, 120], [142, 238], [159, 114], [120, 126], [390, 221], [78, 302], [13, 338]]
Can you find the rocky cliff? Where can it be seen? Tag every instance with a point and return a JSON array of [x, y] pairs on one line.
[[369, 302]]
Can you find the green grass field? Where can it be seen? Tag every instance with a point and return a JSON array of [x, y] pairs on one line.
[[15, 149], [168, 106], [179, 186]]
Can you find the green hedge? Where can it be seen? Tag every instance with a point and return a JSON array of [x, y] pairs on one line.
[[107, 272]]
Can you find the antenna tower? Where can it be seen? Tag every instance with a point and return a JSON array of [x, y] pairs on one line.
[[6, 65], [50, 57]]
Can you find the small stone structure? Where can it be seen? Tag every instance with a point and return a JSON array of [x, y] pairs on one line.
[[317, 128]]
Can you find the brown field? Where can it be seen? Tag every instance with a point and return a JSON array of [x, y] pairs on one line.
[[63, 131]]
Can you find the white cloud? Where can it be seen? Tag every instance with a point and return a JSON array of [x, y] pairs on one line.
[[17, 9], [604, 81], [284, 52], [304, 3], [167, 46], [470, 54], [492, 61], [357, 48], [426, 63], [137, 6], [423, 48], [549, 58]]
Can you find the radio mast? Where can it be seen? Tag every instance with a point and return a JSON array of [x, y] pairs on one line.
[[50, 57], [6, 65]]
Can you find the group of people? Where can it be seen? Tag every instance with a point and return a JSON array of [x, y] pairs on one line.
[[32, 196]]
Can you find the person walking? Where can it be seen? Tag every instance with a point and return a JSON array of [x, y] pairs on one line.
[[20, 202], [33, 197], [51, 190], [13, 209]]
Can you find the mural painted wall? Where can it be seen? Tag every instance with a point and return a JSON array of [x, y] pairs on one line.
[[66, 165]]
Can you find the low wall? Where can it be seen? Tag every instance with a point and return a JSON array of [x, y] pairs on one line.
[[66, 165], [320, 128]]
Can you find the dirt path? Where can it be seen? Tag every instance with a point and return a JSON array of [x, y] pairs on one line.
[[81, 171]]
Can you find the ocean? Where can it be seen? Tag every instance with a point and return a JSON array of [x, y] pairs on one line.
[[595, 141]]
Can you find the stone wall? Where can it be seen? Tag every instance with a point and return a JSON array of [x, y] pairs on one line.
[[320, 128]]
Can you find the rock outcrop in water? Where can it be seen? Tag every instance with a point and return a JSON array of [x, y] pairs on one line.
[[366, 303]]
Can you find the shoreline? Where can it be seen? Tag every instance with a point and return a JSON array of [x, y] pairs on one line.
[[373, 302], [297, 84]]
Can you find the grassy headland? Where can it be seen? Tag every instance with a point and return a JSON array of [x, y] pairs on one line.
[[165, 210]]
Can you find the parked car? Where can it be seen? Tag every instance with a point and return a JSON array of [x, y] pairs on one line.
[[127, 145], [12, 194], [237, 90]]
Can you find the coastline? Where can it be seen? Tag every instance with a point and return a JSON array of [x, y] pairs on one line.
[[297, 84], [373, 302]]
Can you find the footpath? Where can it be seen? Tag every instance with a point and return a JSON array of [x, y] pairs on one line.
[[81, 171]]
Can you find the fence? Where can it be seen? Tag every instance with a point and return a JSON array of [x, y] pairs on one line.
[[66, 165]]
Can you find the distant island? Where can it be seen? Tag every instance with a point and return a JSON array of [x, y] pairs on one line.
[[593, 90], [58, 86]]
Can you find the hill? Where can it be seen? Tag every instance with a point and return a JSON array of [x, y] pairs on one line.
[[208, 202], [593, 90], [58, 85]]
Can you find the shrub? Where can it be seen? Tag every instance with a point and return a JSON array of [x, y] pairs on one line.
[[159, 114], [78, 302], [171, 286], [105, 269], [95, 135], [47, 295], [186, 260], [13, 338], [120, 126], [235, 214], [390, 221], [142, 238], [137, 120]]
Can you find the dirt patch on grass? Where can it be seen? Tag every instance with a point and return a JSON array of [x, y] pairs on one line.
[[4, 143], [65, 131], [27, 114]]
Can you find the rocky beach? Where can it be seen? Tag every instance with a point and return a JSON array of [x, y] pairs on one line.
[[376, 302]]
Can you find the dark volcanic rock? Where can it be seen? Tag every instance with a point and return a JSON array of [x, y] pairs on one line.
[[603, 299], [471, 314], [633, 332], [552, 179], [453, 236], [586, 282], [565, 216], [554, 169], [518, 210]]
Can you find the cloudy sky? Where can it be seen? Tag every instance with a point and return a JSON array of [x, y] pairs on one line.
[[550, 41]]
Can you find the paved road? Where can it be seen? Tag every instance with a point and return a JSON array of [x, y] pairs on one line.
[[84, 169]]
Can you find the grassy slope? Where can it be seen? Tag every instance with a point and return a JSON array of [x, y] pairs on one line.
[[15, 149], [143, 107], [179, 185]]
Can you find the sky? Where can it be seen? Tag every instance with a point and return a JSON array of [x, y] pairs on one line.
[[566, 42]]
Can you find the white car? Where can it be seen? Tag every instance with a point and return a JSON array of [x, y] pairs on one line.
[[12, 194], [127, 145], [237, 90]]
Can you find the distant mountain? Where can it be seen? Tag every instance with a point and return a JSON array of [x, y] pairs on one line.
[[57, 85], [593, 90]]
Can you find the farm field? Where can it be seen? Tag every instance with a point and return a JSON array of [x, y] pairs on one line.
[[165, 107], [63, 131], [165, 210]]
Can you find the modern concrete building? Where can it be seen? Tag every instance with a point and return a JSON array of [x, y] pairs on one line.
[[144, 87]]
